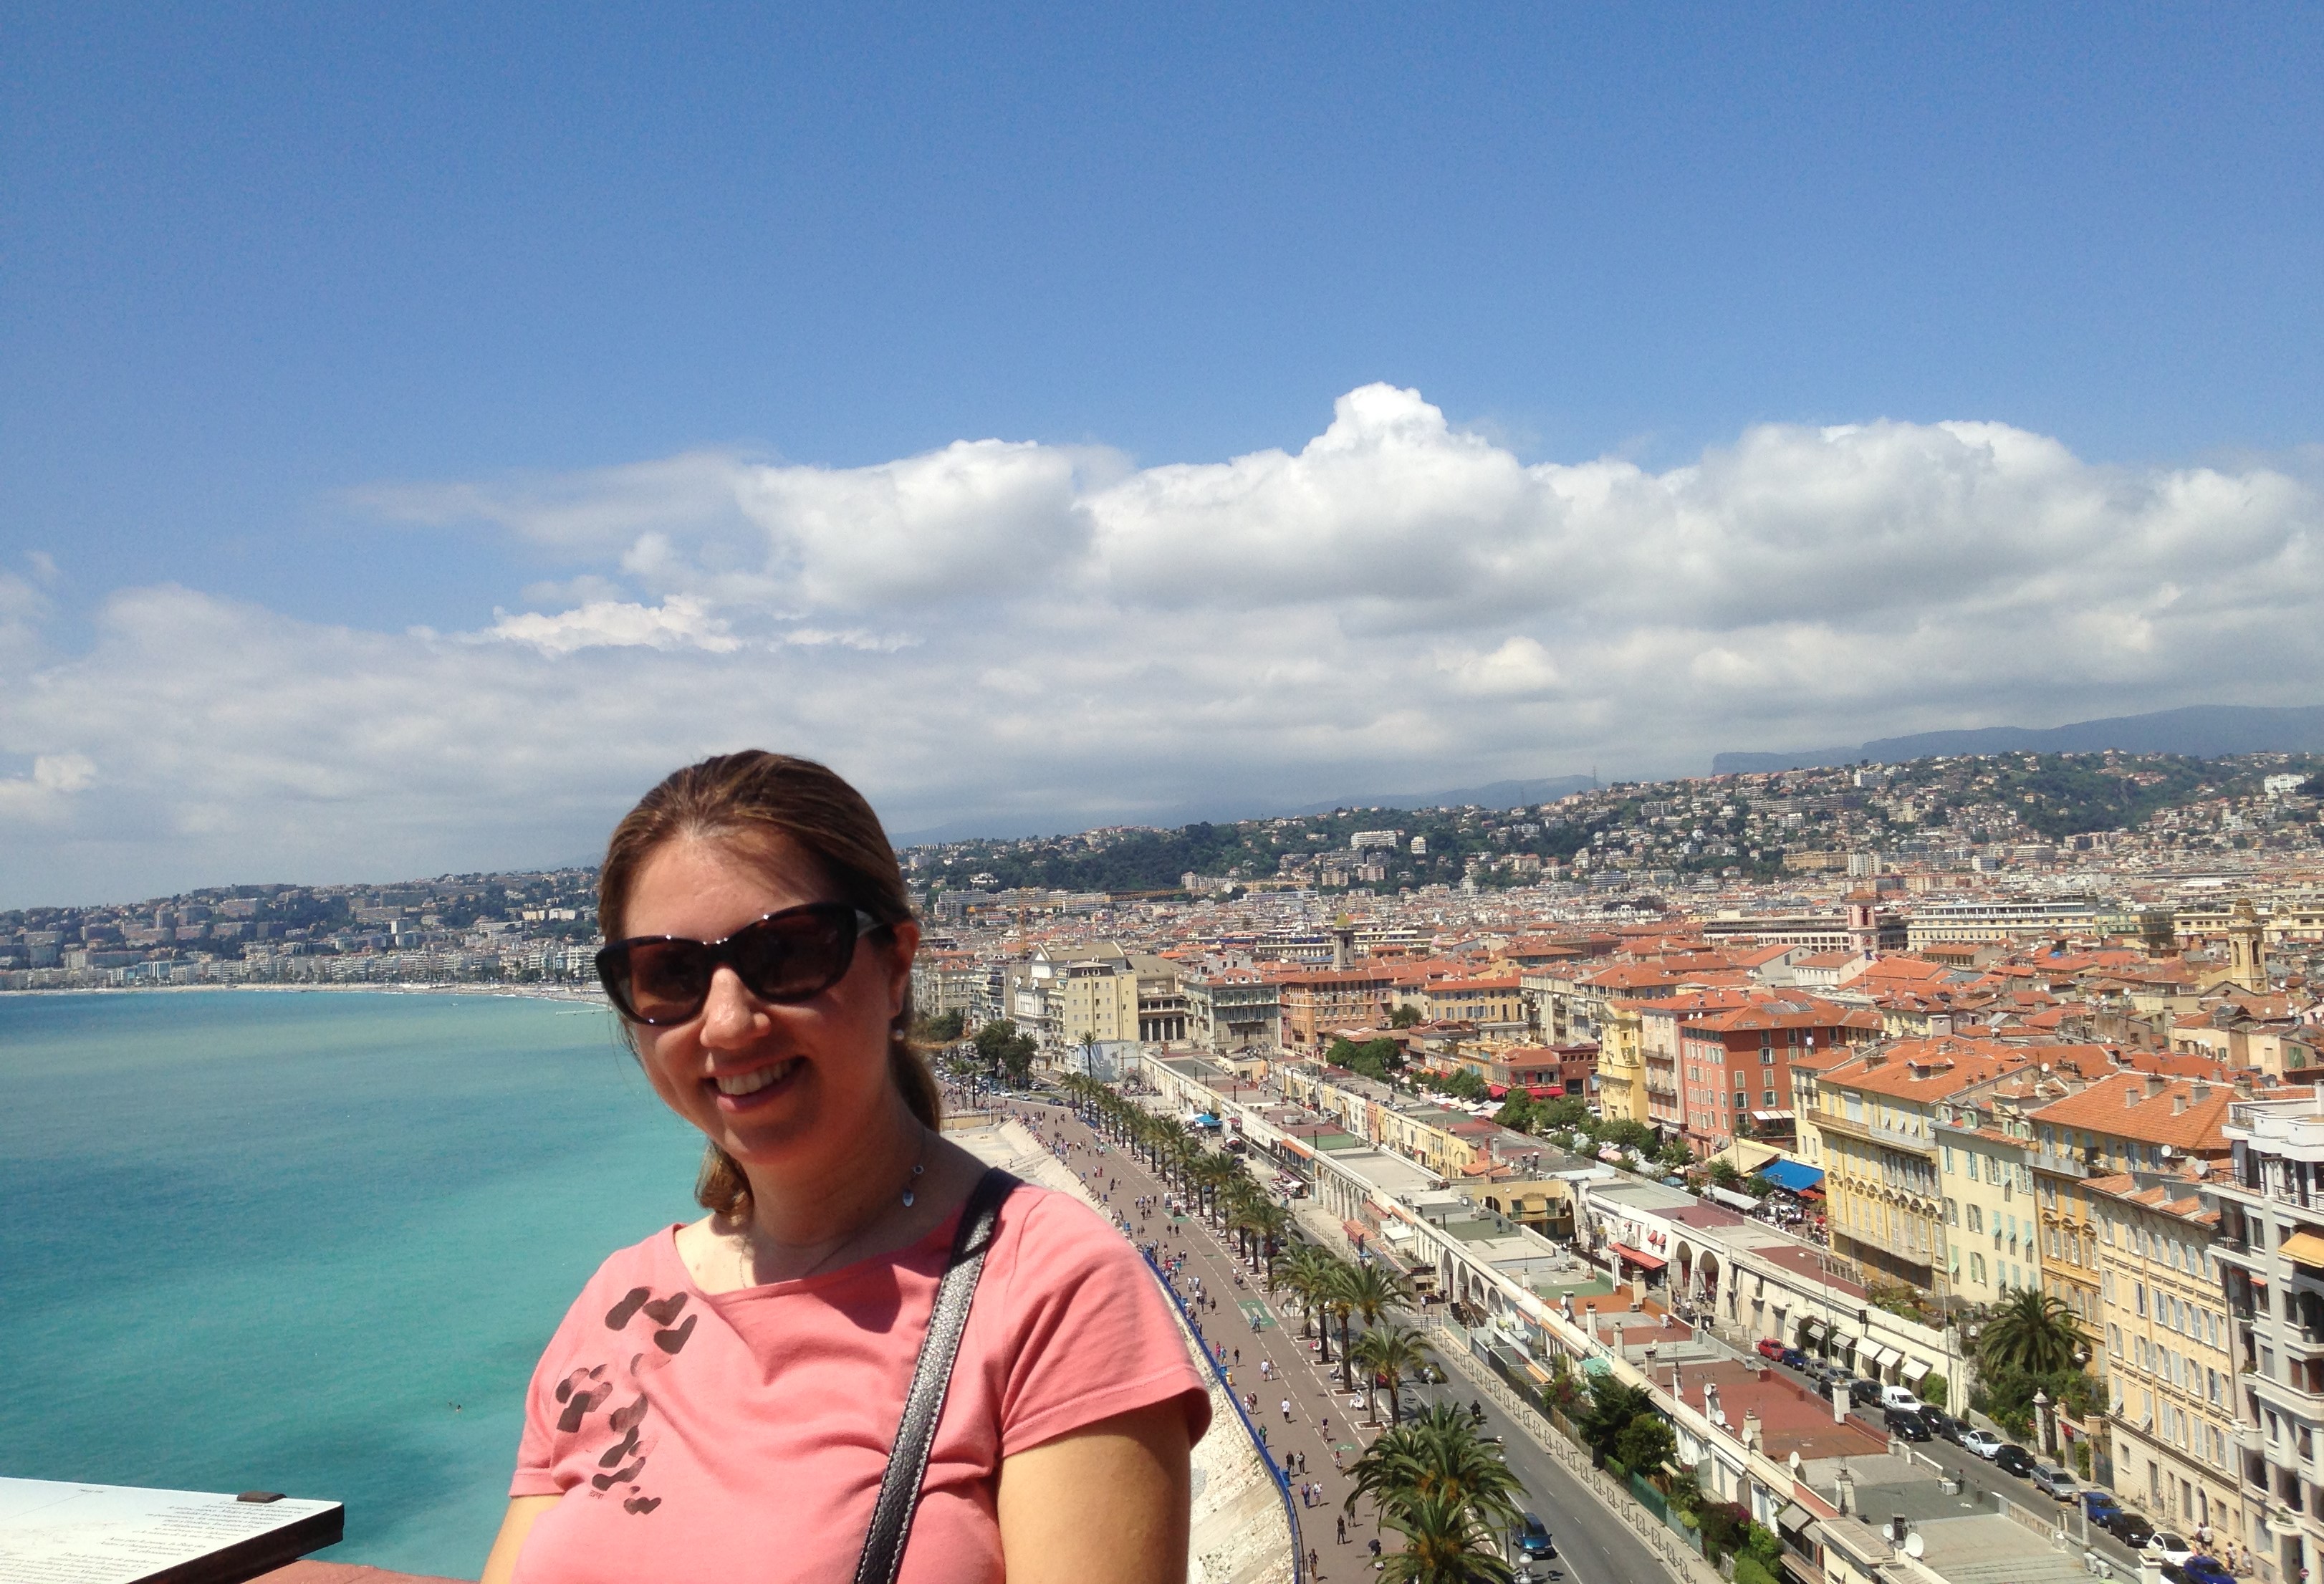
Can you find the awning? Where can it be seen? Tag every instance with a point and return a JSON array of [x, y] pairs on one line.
[[1794, 1519], [1913, 1370], [2305, 1247], [1794, 1175], [1647, 1261], [1816, 1329], [1497, 1091], [1356, 1231], [1731, 1199], [1882, 1357]]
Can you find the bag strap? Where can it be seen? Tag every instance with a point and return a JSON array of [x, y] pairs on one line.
[[908, 1461]]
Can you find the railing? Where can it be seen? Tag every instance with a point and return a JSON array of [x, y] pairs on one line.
[[1218, 1373]]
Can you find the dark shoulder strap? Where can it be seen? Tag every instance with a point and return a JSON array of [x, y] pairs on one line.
[[908, 1462]]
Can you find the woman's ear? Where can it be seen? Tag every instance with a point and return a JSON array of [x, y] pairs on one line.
[[906, 934]]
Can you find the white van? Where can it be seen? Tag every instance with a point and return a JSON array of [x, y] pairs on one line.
[[1896, 1396]]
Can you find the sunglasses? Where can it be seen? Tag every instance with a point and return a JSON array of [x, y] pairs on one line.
[[793, 955]]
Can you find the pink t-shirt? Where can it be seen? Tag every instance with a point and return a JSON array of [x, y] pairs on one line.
[[740, 1437]]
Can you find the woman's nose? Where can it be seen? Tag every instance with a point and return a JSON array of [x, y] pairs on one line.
[[730, 1012]]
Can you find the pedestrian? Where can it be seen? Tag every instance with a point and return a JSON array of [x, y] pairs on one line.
[[1327, 1427], [1265, 1369], [1287, 1410], [1341, 1525], [1314, 1564], [1237, 1355]]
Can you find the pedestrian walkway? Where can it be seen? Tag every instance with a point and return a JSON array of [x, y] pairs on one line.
[[1312, 1427]]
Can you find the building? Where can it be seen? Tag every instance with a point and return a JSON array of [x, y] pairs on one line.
[[2270, 1245], [1985, 1171], [1735, 1067], [1234, 1009], [1875, 1123], [1314, 1002], [2169, 1344], [2001, 918], [1621, 1065]]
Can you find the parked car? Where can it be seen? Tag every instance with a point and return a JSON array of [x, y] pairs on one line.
[[1533, 1540], [1864, 1393], [1983, 1443], [1906, 1426], [1896, 1396], [1941, 1423], [2056, 1482], [2013, 1458], [2129, 1528], [2199, 1569], [1771, 1349], [1795, 1360], [2098, 1505], [2169, 1547]]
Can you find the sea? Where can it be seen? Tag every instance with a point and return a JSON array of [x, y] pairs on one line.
[[310, 1242]]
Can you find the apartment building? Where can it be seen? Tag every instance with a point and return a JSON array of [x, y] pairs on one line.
[[1985, 1169], [2270, 1245], [1314, 1002], [1874, 1124], [2123, 1122], [1492, 1003], [1733, 1066], [2169, 1344], [1621, 1064], [1234, 1009]]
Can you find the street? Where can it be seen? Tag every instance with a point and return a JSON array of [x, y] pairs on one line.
[[1266, 1360]]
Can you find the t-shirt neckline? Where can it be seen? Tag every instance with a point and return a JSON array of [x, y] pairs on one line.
[[939, 1237]]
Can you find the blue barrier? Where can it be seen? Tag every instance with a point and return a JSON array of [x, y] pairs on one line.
[[1218, 1372]]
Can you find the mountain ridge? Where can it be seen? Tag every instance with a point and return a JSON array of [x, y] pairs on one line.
[[2202, 730]]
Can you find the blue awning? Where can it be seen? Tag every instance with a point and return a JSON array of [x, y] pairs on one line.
[[1792, 1174]]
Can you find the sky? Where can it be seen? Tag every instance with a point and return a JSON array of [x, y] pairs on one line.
[[419, 432]]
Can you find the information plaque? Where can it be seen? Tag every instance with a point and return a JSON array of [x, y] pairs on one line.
[[57, 1531]]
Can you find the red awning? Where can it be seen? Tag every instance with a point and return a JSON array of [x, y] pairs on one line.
[[1358, 1233], [1647, 1261], [1547, 1090], [1497, 1090]]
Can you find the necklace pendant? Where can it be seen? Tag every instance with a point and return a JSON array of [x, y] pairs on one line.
[[918, 1168], [908, 1199]]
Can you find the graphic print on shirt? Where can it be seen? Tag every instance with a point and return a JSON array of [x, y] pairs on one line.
[[585, 1392]]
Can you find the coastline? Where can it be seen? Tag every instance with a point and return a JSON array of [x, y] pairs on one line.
[[535, 992]]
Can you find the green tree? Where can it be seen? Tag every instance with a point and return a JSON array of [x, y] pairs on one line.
[[1565, 1110], [1444, 1543], [2031, 1332], [1387, 1354], [1645, 1444], [1722, 1171], [1612, 1406], [940, 1029], [1518, 1113], [1006, 1051], [1466, 1085], [1404, 1017]]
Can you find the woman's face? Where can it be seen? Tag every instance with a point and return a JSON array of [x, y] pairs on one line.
[[814, 1073]]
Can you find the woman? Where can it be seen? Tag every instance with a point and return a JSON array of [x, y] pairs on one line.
[[720, 1402]]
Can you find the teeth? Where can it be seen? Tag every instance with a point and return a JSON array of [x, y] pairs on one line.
[[757, 1079]]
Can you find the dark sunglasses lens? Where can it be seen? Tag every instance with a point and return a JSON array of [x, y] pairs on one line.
[[666, 980], [792, 958]]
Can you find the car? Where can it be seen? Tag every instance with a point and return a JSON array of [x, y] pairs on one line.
[[1983, 1443], [2129, 1528], [1863, 1393], [2013, 1458], [1896, 1396], [1771, 1349], [2055, 1481], [2199, 1569], [2097, 1504], [1906, 1426], [1794, 1360], [2169, 1547], [1941, 1423], [1534, 1539]]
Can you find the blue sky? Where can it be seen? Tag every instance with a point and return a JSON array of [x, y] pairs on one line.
[[307, 313]]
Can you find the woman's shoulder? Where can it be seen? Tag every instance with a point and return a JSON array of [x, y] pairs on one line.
[[652, 1264]]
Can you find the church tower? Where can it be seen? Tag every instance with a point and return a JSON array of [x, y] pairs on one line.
[[2246, 960]]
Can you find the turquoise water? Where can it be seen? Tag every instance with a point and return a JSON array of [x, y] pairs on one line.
[[269, 1239]]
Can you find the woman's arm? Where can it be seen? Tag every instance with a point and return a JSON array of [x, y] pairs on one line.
[[1104, 1504], [524, 1510]]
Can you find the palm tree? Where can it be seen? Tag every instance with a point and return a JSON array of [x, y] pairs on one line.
[[2032, 1332], [1438, 1454], [1444, 1543], [1308, 1274], [1390, 1352], [1366, 1292]]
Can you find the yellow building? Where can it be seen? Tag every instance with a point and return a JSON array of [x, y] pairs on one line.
[[1621, 1065], [1875, 1123], [1985, 1169], [2167, 1336], [1096, 1000]]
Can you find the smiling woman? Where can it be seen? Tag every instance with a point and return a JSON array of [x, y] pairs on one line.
[[870, 1347]]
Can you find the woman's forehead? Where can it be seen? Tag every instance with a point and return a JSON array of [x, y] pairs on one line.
[[724, 874]]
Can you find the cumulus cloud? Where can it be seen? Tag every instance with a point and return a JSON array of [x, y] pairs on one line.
[[1024, 631]]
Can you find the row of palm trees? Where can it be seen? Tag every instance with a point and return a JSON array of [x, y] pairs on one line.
[[1431, 1480]]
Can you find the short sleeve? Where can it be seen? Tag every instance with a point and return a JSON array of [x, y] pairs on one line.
[[1092, 1336]]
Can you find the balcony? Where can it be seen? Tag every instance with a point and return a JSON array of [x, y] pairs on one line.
[[2251, 1438]]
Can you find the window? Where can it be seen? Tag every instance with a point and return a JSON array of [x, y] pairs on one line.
[[2138, 1298], [1767, 1099], [1947, 1151], [1977, 1268]]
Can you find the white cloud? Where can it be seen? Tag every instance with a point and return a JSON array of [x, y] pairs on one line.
[[1018, 628], [678, 622]]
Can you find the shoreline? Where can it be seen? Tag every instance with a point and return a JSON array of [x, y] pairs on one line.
[[531, 992]]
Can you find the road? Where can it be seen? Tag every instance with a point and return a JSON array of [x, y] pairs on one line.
[[1593, 1546], [1978, 1476]]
